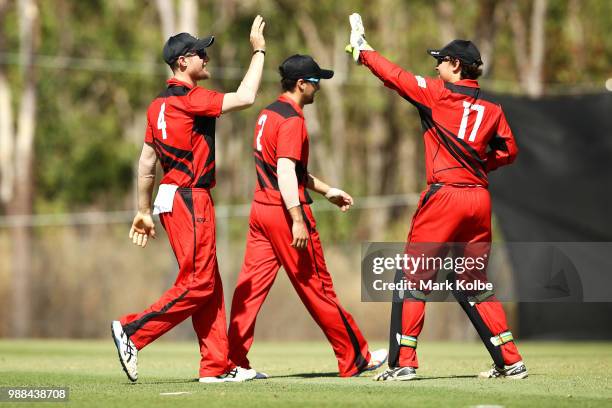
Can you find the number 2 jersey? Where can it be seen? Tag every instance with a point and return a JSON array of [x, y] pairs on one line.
[[280, 131], [181, 129], [466, 134]]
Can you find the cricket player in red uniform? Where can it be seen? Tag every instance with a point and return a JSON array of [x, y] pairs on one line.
[[466, 136], [282, 229], [180, 134]]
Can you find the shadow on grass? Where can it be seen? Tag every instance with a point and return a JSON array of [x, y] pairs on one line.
[[158, 382], [469, 376], [334, 374], [307, 375], [443, 377]]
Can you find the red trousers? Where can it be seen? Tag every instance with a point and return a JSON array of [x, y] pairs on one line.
[[455, 214], [197, 291], [268, 248]]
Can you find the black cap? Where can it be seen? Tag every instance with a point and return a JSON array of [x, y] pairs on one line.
[[464, 50], [301, 67], [182, 44]]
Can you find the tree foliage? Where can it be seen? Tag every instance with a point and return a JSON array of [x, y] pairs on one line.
[[98, 65]]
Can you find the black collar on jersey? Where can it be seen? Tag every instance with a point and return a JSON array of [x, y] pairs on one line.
[[177, 82], [463, 88], [294, 105]]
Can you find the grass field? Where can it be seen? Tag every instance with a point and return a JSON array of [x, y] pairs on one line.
[[304, 374]]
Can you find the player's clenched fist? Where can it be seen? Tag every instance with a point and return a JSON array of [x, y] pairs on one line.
[[257, 38], [143, 227], [300, 234]]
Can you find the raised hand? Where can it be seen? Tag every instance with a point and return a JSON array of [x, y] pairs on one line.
[[357, 39], [256, 37], [357, 30]]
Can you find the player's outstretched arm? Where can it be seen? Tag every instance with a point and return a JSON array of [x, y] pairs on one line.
[[245, 95], [143, 226], [335, 196], [392, 75]]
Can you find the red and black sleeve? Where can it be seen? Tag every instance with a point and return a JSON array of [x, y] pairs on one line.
[[503, 149], [416, 89]]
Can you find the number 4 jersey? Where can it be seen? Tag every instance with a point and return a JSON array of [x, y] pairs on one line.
[[466, 134], [181, 129]]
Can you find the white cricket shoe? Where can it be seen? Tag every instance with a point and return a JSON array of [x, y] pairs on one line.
[[397, 374], [516, 371], [377, 359], [237, 374], [261, 376], [128, 353]]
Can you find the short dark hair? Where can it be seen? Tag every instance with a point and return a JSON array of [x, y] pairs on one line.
[[288, 85], [471, 71], [468, 71]]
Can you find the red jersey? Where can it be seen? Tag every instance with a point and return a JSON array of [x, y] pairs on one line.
[[181, 129], [466, 133], [280, 131]]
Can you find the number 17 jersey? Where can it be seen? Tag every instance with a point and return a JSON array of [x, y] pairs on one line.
[[466, 134]]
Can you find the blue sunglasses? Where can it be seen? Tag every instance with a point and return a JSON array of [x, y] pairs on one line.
[[313, 80]]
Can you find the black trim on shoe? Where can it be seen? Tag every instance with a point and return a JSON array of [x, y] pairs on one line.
[[394, 374], [118, 346], [515, 372]]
